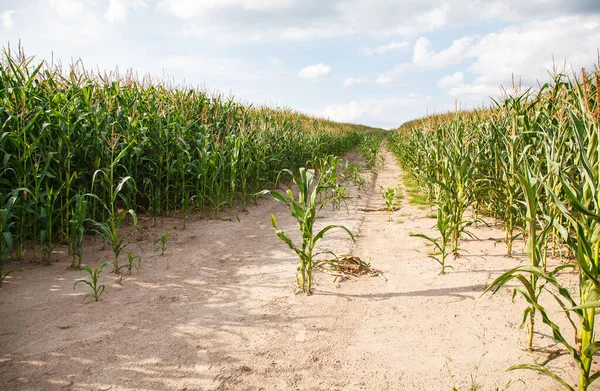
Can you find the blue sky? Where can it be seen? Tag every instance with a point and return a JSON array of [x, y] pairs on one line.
[[376, 62]]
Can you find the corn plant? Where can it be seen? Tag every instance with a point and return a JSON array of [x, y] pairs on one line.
[[97, 289], [338, 195], [133, 262], [141, 231], [77, 225], [68, 131], [532, 165], [532, 288], [441, 244], [351, 173], [388, 195], [305, 209], [369, 148], [48, 239], [108, 230], [328, 178], [6, 242], [160, 244], [504, 184], [187, 203]]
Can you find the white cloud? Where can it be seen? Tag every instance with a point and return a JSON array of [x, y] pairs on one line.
[[315, 72], [435, 18], [187, 9], [384, 79], [70, 21], [276, 61], [68, 8], [525, 54], [390, 47], [450, 81], [424, 58], [118, 9], [475, 93], [7, 18], [275, 20], [386, 112], [349, 112], [352, 81]]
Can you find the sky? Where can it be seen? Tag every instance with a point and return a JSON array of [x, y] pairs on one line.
[[373, 62]]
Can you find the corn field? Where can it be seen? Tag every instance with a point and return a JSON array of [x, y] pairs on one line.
[[79, 149], [531, 164]]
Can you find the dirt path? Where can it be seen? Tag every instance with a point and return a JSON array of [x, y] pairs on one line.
[[222, 315]]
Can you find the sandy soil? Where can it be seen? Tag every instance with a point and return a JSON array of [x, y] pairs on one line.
[[218, 312]]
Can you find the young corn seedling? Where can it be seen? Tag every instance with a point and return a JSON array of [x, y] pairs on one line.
[[351, 172], [97, 290], [347, 171], [141, 231], [133, 262], [381, 162], [328, 179], [338, 196], [369, 148], [160, 244], [305, 209], [327, 172], [440, 244], [388, 195]]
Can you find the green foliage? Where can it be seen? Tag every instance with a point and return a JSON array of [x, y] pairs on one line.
[[328, 176], [108, 230], [441, 244], [187, 203], [184, 150], [160, 244], [370, 148], [388, 195], [92, 283], [48, 238], [351, 173], [133, 262], [6, 242], [78, 218], [531, 163], [305, 209]]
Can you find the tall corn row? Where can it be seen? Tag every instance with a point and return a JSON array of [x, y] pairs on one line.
[[186, 150], [536, 171]]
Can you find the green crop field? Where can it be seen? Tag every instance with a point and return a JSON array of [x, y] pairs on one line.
[[78, 146], [88, 154], [531, 162]]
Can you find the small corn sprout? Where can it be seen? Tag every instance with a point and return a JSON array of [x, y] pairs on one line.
[[97, 290], [160, 244]]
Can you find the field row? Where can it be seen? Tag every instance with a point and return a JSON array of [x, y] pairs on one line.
[[532, 162]]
